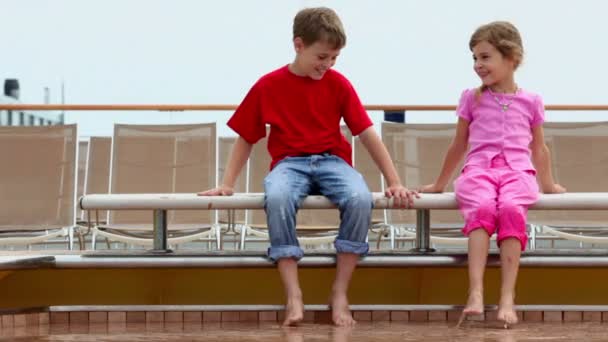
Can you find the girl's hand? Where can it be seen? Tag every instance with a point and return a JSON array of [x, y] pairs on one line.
[[402, 196], [555, 189], [431, 188], [221, 190]]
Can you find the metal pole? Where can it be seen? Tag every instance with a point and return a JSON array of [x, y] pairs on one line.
[[423, 231], [160, 232]]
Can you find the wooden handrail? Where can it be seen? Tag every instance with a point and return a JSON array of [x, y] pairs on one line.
[[219, 107]]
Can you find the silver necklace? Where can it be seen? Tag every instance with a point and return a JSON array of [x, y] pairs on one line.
[[504, 106]]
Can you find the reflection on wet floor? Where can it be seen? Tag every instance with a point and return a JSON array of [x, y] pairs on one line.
[[385, 332]]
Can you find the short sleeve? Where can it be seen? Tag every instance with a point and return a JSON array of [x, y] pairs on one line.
[[538, 112], [352, 110], [464, 105], [247, 121]]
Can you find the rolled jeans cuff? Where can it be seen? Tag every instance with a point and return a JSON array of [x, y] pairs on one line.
[[345, 246], [285, 251]]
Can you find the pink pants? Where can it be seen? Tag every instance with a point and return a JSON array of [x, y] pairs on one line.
[[496, 199]]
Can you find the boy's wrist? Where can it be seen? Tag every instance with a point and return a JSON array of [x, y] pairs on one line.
[[394, 184]]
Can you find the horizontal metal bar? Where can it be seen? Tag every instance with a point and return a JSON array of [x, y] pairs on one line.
[[221, 107], [566, 201], [311, 307], [260, 261]]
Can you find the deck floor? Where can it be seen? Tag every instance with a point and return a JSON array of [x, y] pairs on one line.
[[386, 332]]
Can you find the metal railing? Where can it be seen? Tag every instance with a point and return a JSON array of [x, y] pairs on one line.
[[160, 203]]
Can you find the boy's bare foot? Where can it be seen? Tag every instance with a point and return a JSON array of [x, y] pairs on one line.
[[294, 311], [474, 306], [340, 313], [506, 311]]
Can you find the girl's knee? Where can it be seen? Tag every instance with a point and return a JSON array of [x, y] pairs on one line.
[[484, 217], [512, 220], [519, 237], [511, 210]]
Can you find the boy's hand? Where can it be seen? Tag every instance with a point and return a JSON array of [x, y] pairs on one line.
[[402, 196], [555, 189], [221, 190], [431, 188]]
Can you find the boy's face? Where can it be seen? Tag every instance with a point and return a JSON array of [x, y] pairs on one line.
[[490, 65], [315, 59]]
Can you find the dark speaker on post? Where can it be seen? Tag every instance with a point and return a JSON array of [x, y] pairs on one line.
[[11, 88]]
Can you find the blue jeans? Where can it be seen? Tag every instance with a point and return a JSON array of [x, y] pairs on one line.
[[292, 179]]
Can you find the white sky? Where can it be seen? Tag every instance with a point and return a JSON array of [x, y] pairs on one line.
[[211, 52]]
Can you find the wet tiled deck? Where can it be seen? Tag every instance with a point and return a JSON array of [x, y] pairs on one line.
[[386, 332]]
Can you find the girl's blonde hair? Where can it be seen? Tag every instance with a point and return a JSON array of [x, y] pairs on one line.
[[505, 37]]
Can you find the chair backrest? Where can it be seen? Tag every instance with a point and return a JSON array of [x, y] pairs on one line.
[[224, 151], [163, 159], [417, 151], [579, 161], [370, 172], [83, 149], [97, 180], [37, 177], [259, 163]]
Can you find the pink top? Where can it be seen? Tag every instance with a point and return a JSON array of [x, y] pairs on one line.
[[493, 131]]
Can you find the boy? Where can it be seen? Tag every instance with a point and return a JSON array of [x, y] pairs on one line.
[[303, 103]]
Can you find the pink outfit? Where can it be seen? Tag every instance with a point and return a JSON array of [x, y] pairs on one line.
[[498, 182]]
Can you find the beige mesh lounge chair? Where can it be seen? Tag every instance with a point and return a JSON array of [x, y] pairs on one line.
[[232, 219], [97, 176], [366, 166], [418, 151], [37, 184], [161, 159], [316, 227], [83, 149], [579, 155], [96, 181]]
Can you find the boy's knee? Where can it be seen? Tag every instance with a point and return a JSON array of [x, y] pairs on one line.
[[359, 200], [278, 199]]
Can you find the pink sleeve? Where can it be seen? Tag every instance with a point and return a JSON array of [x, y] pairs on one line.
[[464, 106], [538, 112]]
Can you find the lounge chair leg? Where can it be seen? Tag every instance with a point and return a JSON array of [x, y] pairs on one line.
[[71, 238], [94, 240], [218, 237], [243, 235]]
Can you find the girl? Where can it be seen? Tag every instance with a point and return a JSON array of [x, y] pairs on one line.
[[502, 123]]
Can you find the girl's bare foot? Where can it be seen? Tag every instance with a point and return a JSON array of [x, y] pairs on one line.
[[474, 306], [340, 313], [294, 311], [506, 311]]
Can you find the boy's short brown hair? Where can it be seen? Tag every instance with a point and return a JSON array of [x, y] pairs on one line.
[[319, 24]]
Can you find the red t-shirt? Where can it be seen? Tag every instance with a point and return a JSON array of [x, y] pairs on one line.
[[303, 114]]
